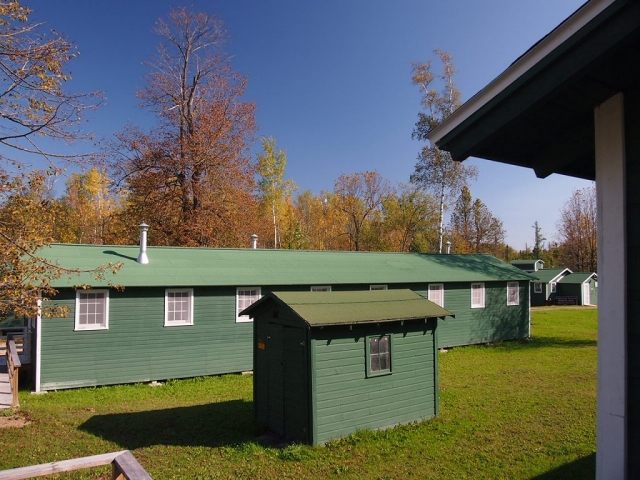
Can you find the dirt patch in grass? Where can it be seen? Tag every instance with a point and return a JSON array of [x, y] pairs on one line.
[[14, 420]]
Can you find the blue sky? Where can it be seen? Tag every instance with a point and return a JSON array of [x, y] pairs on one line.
[[332, 79]]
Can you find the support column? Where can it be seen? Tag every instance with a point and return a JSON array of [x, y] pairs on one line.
[[611, 453]]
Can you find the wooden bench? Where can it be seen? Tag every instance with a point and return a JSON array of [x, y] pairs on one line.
[[566, 300]]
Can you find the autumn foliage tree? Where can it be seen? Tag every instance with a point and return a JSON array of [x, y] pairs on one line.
[[473, 228], [435, 170], [360, 197], [577, 232], [191, 177], [37, 113], [88, 209]]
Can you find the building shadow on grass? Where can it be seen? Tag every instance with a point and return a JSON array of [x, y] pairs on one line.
[[211, 425], [581, 469]]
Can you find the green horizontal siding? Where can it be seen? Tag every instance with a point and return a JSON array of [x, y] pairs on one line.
[[345, 400], [137, 347], [497, 321]]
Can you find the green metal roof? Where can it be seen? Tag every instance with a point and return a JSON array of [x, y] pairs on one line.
[[578, 277], [318, 309], [175, 266], [550, 274]]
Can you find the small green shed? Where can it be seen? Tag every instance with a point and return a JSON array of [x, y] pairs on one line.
[[329, 363]]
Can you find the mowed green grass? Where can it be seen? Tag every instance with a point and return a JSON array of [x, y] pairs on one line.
[[523, 409]]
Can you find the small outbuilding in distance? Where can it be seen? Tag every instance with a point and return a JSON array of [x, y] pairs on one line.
[[328, 364]]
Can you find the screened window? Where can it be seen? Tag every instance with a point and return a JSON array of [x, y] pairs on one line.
[[92, 310], [321, 288], [178, 307], [553, 287], [513, 293], [246, 296], [436, 293], [537, 287], [477, 295], [377, 287], [378, 355]]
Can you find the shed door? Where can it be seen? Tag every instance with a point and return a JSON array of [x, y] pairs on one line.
[[288, 382], [586, 297]]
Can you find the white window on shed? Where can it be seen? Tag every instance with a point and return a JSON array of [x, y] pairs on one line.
[[477, 295], [321, 288], [178, 307], [436, 293], [553, 287], [513, 293], [245, 297], [92, 310], [537, 287]]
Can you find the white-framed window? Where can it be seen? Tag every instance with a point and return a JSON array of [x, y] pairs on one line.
[[321, 288], [513, 293], [477, 295], [436, 293], [245, 297], [537, 287], [377, 287], [178, 307], [378, 355], [553, 287], [92, 310]]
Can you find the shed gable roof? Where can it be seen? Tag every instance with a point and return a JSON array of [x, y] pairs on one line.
[[551, 274], [318, 309], [175, 266], [578, 277]]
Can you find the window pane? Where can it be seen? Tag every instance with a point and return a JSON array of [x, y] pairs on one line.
[[384, 361], [375, 363], [374, 346], [383, 345]]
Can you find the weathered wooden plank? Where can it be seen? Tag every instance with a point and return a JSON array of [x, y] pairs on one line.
[[127, 466], [61, 466]]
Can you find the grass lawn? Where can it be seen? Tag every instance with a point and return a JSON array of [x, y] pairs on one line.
[[512, 410]]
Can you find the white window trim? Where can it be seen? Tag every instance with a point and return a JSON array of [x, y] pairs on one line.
[[245, 318], [554, 287], [482, 303], [105, 326], [537, 287], [516, 286], [440, 289], [180, 323], [321, 288], [378, 287]]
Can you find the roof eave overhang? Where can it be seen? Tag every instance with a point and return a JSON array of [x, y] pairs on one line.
[[517, 102], [519, 68]]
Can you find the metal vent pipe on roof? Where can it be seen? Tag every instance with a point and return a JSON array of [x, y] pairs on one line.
[[254, 241], [448, 247], [142, 257]]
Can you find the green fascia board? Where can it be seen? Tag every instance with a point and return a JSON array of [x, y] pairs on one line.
[[180, 266], [577, 277], [550, 274], [318, 309]]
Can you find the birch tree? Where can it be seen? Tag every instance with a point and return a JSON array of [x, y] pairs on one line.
[[273, 189], [435, 170]]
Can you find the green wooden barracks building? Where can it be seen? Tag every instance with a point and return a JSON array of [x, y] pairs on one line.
[[176, 311]]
